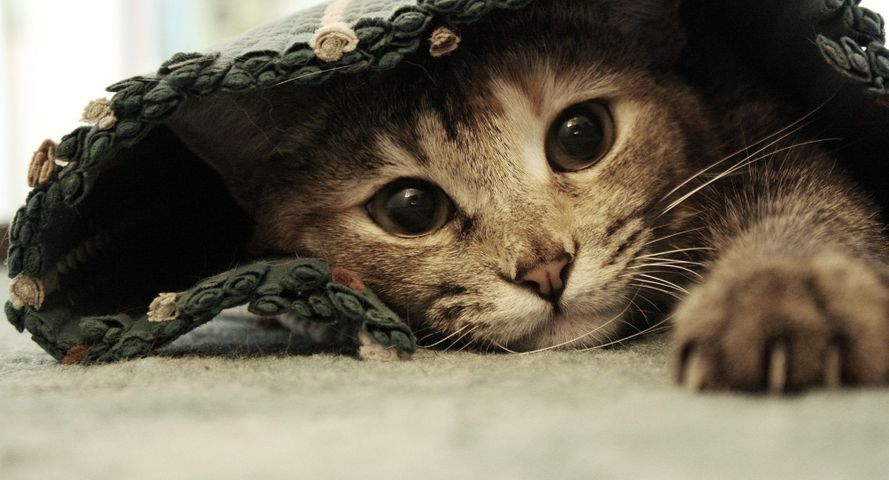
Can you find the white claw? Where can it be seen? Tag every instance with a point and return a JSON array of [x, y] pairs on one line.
[[778, 369], [696, 372], [833, 368]]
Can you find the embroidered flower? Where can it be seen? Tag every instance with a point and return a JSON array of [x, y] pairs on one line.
[[347, 278], [99, 112], [443, 41], [43, 164], [26, 291], [163, 308], [331, 42]]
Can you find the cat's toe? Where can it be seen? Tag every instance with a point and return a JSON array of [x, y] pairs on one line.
[[833, 368]]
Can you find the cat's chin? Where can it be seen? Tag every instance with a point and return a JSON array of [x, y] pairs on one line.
[[571, 332]]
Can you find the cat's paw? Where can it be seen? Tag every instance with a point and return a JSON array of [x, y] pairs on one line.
[[785, 326], [369, 349]]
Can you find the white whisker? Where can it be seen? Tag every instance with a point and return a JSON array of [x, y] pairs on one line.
[[667, 265], [580, 337], [666, 292], [744, 150], [643, 297], [646, 331], [678, 250], [783, 133], [660, 284], [672, 235], [457, 332], [666, 282], [455, 342], [672, 261], [641, 311], [746, 162], [504, 348], [469, 344]]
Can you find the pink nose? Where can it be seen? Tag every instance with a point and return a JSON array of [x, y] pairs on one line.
[[548, 279]]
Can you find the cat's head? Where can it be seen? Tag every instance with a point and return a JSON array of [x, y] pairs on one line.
[[506, 195]]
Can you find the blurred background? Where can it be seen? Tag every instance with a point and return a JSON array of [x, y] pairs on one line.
[[57, 55]]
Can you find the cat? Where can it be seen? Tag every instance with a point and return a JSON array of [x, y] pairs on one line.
[[558, 182]]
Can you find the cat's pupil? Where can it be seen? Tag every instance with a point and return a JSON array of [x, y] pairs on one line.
[[410, 208], [580, 136]]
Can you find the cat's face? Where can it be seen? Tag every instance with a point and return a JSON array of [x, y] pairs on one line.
[[507, 196]]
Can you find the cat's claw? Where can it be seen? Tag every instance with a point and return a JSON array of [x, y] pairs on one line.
[[696, 373], [778, 369]]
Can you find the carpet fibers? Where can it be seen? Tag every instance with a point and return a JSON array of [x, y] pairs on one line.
[[221, 404]]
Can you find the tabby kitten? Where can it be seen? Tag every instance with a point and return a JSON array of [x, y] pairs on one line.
[[556, 183]]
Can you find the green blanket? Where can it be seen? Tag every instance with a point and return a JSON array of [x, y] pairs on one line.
[[123, 218]]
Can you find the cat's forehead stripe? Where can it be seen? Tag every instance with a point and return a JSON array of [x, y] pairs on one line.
[[525, 126], [404, 158]]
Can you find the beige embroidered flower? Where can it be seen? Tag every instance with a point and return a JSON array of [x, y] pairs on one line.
[[330, 42], [163, 308], [99, 112], [26, 291]]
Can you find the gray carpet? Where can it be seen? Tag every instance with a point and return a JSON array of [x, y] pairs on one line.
[[192, 413]]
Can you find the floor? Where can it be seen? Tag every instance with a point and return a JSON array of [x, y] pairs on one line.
[[193, 413]]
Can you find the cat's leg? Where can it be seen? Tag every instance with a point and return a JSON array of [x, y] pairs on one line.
[[321, 334], [796, 294]]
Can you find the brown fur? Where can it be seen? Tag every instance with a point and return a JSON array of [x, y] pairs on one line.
[[777, 266]]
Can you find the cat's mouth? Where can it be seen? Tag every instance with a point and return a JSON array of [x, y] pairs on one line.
[[564, 330]]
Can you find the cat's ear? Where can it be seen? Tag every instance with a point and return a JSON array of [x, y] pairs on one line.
[[650, 30], [653, 25], [237, 136]]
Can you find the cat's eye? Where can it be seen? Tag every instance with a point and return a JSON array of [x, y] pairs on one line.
[[580, 137], [410, 208]]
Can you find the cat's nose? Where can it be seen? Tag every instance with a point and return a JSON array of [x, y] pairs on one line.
[[547, 279]]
